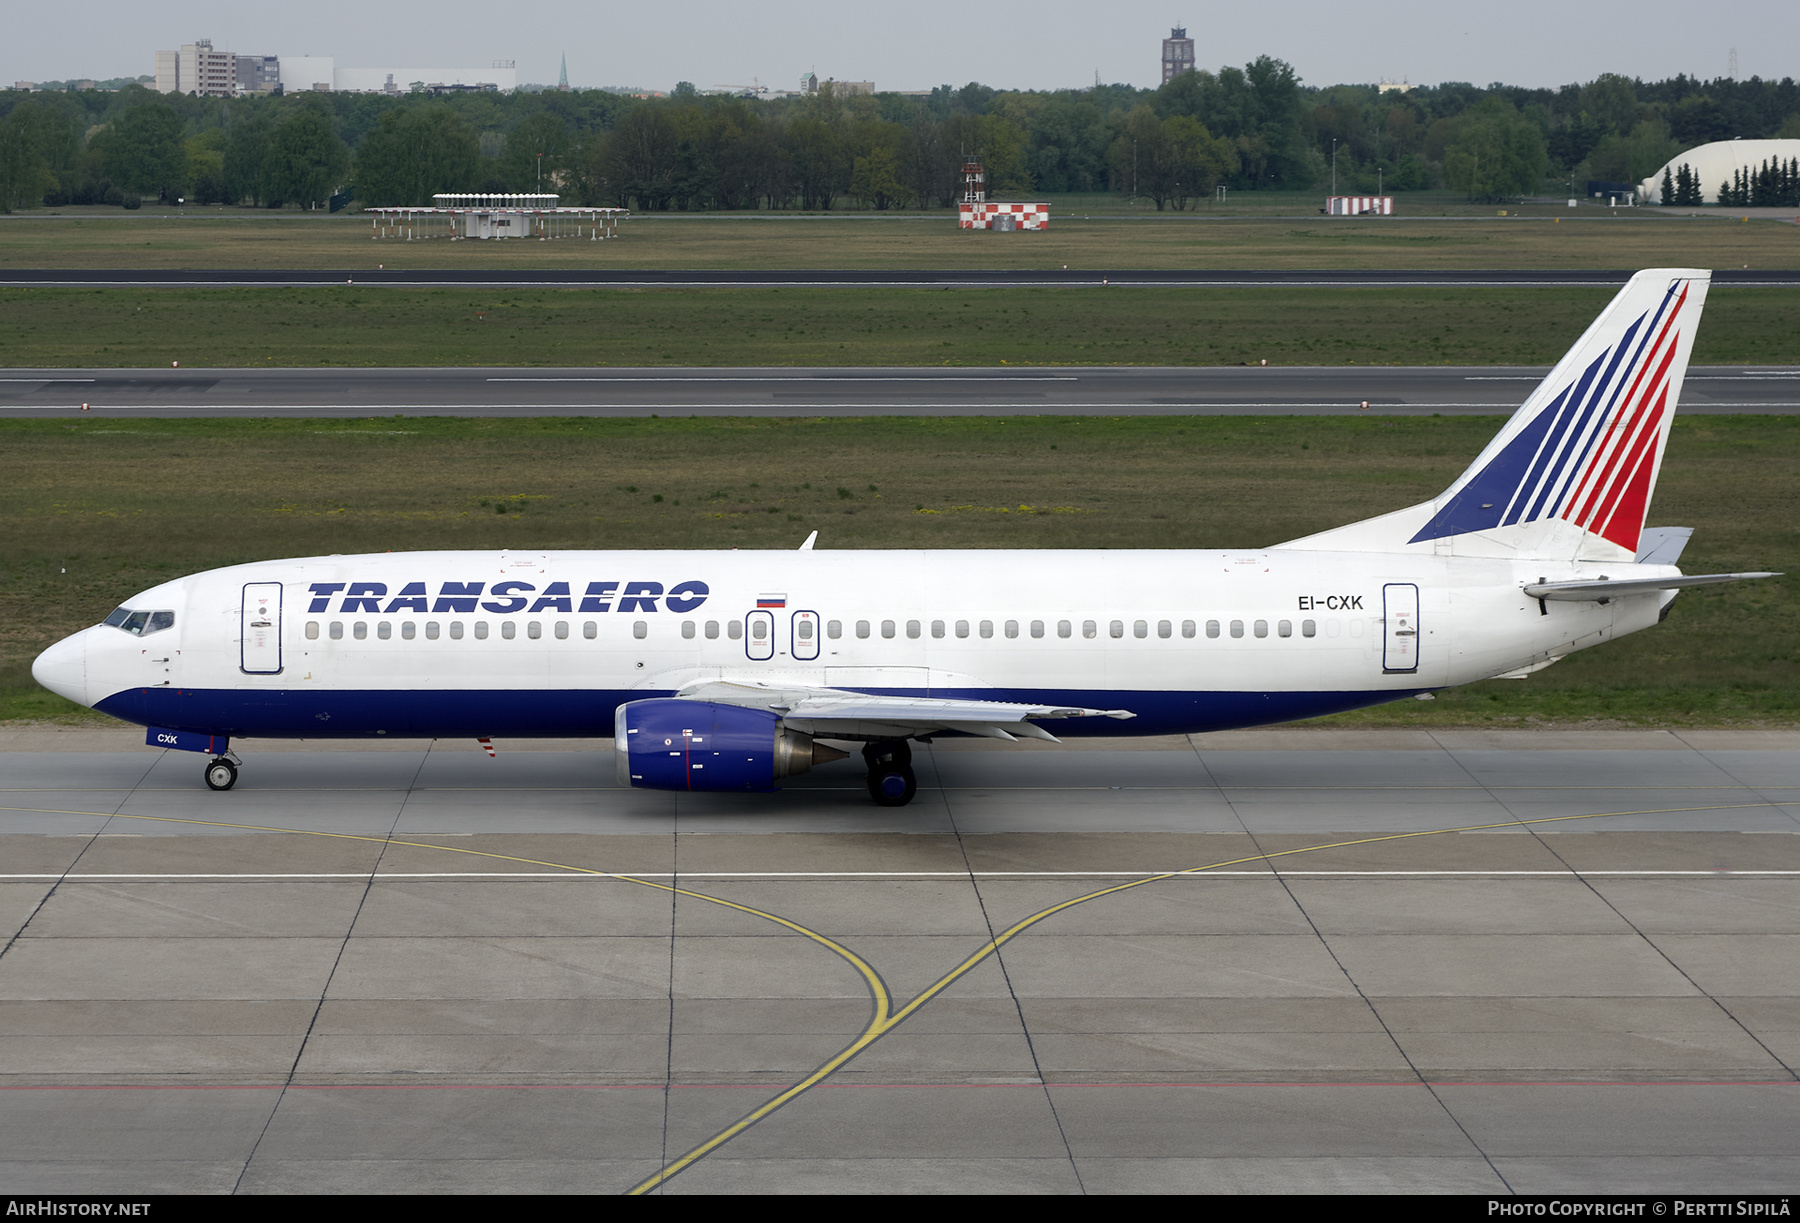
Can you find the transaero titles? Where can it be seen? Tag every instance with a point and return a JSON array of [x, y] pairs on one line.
[[504, 597]]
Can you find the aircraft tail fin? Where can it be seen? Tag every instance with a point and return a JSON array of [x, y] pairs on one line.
[[1572, 473]]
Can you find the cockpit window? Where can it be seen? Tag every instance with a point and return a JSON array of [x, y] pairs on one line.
[[140, 623]]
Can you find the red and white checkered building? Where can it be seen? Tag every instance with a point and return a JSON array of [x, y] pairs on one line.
[[983, 215]]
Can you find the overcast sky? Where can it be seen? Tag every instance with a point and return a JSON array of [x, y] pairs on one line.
[[1043, 44]]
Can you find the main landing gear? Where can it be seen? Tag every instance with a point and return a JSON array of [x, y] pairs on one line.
[[891, 781], [221, 772]]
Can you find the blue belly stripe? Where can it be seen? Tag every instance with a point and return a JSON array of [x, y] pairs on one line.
[[584, 714]]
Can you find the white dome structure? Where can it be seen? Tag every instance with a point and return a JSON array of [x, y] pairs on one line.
[[1715, 163]]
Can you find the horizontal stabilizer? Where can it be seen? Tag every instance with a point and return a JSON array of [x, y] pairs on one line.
[[1603, 589]]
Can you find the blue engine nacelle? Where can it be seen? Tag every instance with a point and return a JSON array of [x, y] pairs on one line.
[[696, 745]]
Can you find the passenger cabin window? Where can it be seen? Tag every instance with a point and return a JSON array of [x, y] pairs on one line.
[[1012, 628], [562, 630], [1262, 628], [1212, 628], [1237, 628], [360, 630], [912, 629], [862, 628], [589, 629], [937, 628], [712, 630], [640, 629], [1089, 628], [481, 630], [833, 629], [337, 630], [1165, 629], [1284, 628], [987, 628], [1309, 628], [687, 629], [758, 629], [384, 630], [431, 630], [456, 630], [962, 628], [1064, 628], [408, 630], [1187, 629], [534, 630], [1037, 628], [1116, 628], [803, 630], [508, 629], [887, 628], [1140, 628], [734, 629], [312, 630]]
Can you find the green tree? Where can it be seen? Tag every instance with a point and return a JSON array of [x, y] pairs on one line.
[[1610, 103], [1496, 152], [305, 162], [537, 153], [246, 144], [206, 167], [24, 173], [415, 153], [875, 179], [637, 161], [1632, 157], [145, 154]]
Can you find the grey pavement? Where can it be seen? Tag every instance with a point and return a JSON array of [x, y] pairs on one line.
[[278, 998]]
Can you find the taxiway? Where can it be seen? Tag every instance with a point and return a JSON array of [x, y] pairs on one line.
[[1310, 961]]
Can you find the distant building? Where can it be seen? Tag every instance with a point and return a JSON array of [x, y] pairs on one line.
[[25, 86], [198, 69], [1178, 54], [258, 73]]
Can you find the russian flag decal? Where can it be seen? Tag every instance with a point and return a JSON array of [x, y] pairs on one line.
[[771, 600]]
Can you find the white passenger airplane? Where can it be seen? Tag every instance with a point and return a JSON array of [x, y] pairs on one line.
[[720, 670]]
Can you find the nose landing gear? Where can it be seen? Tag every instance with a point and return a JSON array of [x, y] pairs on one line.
[[891, 780], [221, 772]]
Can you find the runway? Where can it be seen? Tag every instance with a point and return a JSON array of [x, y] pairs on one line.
[[804, 392], [413, 968], [639, 278]]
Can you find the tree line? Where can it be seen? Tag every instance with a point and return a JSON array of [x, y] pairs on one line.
[[1245, 129]]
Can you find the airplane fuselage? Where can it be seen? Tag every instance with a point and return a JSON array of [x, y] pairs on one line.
[[448, 644]]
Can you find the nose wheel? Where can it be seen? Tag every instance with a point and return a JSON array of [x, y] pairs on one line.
[[221, 773], [891, 780]]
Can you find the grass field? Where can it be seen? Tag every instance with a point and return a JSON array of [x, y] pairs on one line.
[[845, 326], [93, 512], [1542, 238]]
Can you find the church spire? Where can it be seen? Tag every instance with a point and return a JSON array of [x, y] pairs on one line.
[[563, 84]]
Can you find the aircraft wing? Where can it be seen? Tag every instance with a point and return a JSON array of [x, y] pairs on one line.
[[835, 712]]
